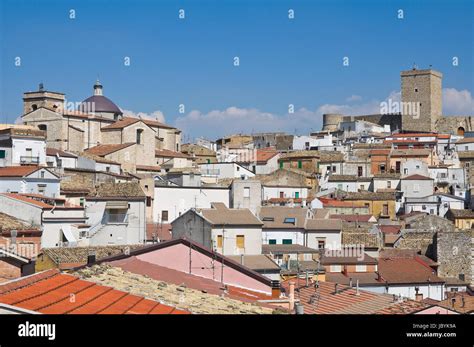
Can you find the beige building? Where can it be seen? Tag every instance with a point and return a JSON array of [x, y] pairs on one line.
[[98, 122]]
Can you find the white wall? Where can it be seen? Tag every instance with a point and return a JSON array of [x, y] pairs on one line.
[[225, 170], [296, 236], [345, 186], [289, 192], [333, 239], [38, 148], [177, 200], [306, 142], [252, 241], [432, 291]]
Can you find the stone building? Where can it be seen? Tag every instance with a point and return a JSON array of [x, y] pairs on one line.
[[454, 249], [97, 121], [420, 109]]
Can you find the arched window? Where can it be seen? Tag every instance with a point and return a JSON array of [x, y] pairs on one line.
[[34, 107], [461, 131], [139, 136]]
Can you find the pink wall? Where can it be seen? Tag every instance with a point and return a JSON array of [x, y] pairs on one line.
[[437, 310], [176, 257]]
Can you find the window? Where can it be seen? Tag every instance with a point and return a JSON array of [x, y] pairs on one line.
[[41, 188], [361, 268], [81, 202], [382, 168], [281, 165], [238, 168], [148, 201], [300, 164], [139, 136], [306, 144], [405, 171], [297, 195], [416, 188], [42, 174], [43, 127], [240, 241], [362, 187], [334, 168], [208, 161], [282, 195], [246, 192], [359, 171], [272, 242], [268, 219], [2, 154], [116, 216], [335, 268], [389, 184], [287, 241], [164, 216], [321, 244], [397, 167], [385, 209], [290, 220], [416, 90], [219, 241]]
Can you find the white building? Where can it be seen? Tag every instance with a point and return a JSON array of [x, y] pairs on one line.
[[311, 142], [22, 145], [279, 194], [60, 159], [29, 180], [170, 201], [216, 171]]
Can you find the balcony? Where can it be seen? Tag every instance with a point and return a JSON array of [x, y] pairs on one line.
[[26, 160]]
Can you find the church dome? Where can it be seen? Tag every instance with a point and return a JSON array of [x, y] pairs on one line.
[[98, 103]]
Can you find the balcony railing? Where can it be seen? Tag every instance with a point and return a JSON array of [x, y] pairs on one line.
[[29, 160]]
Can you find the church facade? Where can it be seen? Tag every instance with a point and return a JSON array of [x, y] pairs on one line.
[[96, 122]]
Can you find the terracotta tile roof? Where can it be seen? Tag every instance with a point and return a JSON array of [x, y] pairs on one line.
[[390, 229], [182, 290], [364, 195], [342, 178], [102, 150], [50, 292], [324, 299], [406, 270], [28, 200], [346, 260], [8, 222], [118, 190], [257, 262], [457, 213], [387, 175], [78, 255], [221, 215], [126, 121], [158, 232], [324, 224], [54, 152], [166, 153], [412, 152], [366, 239], [18, 171], [459, 301], [148, 168]]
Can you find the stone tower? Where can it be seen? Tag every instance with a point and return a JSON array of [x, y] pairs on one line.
[[421, 105], [42, 98]]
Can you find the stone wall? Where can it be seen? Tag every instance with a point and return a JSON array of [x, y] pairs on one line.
[[454, 254]]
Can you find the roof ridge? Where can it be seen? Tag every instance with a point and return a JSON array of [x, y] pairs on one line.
[[23, 282]]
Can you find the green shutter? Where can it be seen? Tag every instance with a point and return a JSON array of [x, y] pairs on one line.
[[287, 242], [272, 242], [297, 195], [281, 165], [2, 154], [300, 164]]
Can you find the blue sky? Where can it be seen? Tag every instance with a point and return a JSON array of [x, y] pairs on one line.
[[190, 61]]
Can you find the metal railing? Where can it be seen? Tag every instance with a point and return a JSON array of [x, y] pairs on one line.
[[29, 160]]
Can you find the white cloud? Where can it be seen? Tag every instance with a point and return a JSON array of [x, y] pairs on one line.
[[155, 115], [457, 102], [354, 98]]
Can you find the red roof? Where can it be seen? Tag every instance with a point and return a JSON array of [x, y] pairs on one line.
[[50, 292], [390, 229], [18, 171], [170, 154], [28, 200], [160, 232], [406, 270], [136, 266], [102, 150]]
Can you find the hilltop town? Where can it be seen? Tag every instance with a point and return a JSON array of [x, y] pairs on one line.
[[373, 214]]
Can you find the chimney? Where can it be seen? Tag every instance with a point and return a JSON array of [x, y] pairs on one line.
[[299, 309], [418, 297], [292, 295], [242, 259], [307, 278], [91, 258], [335, 289], [350, 282], [357, 287]]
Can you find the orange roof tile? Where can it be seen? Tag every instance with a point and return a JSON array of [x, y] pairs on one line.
[[18, 171], [28, 200], [50, 292], [102, 150]]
